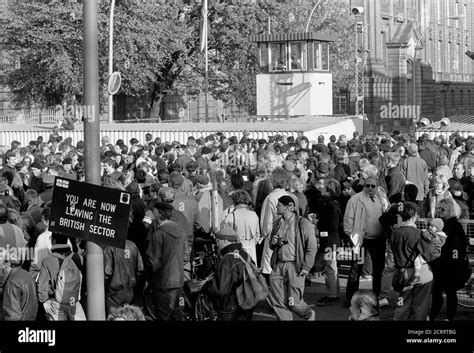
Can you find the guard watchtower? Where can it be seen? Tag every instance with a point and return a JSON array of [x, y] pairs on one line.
[[295, 76]]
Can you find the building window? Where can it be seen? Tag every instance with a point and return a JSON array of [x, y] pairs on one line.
[[439, 10], [466, 60], [458, 13], [464, 21], [452, 99], [298, 56], [325, 56], [278, 57], [469, 99], [461, 95], [321, 56], [440, 56], [317, 56]]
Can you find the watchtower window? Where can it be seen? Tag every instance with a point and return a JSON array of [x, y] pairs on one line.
[[298, 56], [321, 56], [278, 57]]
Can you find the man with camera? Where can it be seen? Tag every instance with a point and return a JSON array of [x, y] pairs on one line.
[[294, 246]]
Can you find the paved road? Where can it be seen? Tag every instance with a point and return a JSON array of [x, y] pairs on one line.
[[338, 312]]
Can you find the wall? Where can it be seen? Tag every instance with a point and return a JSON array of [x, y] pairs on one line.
[[292, 94]]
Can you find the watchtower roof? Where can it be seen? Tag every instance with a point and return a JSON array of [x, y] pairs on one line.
[[292, 37]]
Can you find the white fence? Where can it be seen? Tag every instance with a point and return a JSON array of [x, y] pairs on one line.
[[45, 116]]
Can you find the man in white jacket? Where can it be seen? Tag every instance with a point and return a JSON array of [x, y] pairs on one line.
[[361, 224]]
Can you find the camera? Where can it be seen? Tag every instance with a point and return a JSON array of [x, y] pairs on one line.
[[278, 242]]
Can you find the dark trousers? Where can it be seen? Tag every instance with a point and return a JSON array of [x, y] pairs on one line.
[[167, 304], [235, 315], [437, 301], [376, 248], [118, 300]]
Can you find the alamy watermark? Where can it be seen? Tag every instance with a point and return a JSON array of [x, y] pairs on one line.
[[394, 111], [76, 112]]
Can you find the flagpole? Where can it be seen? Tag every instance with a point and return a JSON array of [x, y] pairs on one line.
[[206, 75]]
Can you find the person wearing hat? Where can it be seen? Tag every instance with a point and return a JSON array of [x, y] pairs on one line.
[[48, 182], [18, 299], [280, 179], [204, 158], [164, 263], [294, 246], [66, 170], [35, 177], [228, 276]]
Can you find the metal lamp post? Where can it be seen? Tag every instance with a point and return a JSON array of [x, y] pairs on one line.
[[111, 59]]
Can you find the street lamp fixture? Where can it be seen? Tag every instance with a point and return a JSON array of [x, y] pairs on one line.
[[311, 15]]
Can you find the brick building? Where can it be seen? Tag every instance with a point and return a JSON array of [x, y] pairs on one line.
[[417, 64]]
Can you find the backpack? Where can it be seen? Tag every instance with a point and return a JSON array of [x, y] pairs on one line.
[[254, 288], [68, 284]]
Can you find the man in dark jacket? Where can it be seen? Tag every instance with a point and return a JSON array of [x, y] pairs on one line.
[[294, 248], [167, 249], [123, 267], [395, 180], [229, 275], [20, 301]]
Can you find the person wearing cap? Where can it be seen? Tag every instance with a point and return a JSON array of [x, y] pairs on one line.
[[280, 180], [228, 276], [48, 183], [164, 262], [66, 170], [204, 158], [415, 170], [185, 203], [294, 246]]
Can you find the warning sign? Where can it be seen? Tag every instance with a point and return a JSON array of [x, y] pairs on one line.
[[90, 212]]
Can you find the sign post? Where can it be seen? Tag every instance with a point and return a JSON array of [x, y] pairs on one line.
[[90, 212], [95, 256]]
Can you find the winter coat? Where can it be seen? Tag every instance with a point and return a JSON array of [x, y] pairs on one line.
[[229, 275], [395, 183], [453, 252], [20, 301], [167, 249], [122, 268], [415, 170], [330, 220]]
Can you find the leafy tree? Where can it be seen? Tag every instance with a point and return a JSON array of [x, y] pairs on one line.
[[157, 50]]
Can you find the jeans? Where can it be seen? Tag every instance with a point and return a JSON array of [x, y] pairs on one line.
[[63, 312], [331, 277], [388, 272], [376, 249], [414, 303], [286, 292]]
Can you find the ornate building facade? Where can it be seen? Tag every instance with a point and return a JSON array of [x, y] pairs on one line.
[[417, 65]]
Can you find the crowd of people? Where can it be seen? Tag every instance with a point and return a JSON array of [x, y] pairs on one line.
[[287, 204]]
